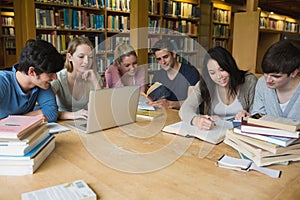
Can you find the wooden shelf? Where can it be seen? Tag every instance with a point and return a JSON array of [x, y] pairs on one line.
[[251, 41]]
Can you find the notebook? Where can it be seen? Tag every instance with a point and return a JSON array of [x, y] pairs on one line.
[[109, 108]]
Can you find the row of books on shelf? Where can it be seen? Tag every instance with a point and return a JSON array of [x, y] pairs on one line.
[[221, 31], [266, 141], [7, 21], [110, 4], [180, 9], [68, 19], [220, 42], [182, 26], [8, 31], [25, 142], [10, 43], [118, 23], [221, 16], [153, 7], [278, 25]]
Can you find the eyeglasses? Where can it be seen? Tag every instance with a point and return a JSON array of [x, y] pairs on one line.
[[163, 57]]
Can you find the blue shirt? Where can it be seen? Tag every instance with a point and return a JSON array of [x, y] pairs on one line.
[[187, 76], [13, 101]]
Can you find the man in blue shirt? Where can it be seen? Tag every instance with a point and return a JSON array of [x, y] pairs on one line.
[[26, 89], [176, 76]]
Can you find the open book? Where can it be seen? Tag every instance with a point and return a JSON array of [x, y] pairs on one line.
[[214, 136], [157, 91]]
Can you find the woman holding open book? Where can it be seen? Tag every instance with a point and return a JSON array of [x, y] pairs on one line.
[[73, 84], [278, 92], [225, 90], [125, 71]]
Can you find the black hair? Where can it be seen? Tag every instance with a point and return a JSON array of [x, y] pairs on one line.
[[282, 57], [226, 61], [41, 55]]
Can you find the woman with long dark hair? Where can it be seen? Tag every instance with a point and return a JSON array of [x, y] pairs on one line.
[[225, 90]]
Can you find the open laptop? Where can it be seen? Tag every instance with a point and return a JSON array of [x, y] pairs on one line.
[[108, 108]]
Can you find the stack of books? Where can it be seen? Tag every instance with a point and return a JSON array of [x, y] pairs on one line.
[[267, 140], [25, 142]]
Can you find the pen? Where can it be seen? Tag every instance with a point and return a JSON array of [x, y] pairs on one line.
[[211, 119]]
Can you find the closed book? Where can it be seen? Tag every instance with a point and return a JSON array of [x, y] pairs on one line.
[[76, 190], [148, 114], [30, 154], [259, 156], [18, 126], [13, 148], [263, 144], [275, 122], [264, 130], [281, 141], [29, 163]]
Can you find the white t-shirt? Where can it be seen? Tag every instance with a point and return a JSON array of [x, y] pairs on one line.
[[223, 110]]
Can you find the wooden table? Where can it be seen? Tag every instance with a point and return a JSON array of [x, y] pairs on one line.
[[193, 175]]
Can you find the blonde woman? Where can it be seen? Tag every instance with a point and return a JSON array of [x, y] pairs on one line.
[[124, 71], [76, 80]]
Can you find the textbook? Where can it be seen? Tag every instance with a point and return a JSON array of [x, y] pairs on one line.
[[270, 147], [28, 164], [259, 156], [18, 126], [281, 141], [275, 122], [157, 91], [16, 148], [214, 136], [264, 130], [148, 114], [76, 190]]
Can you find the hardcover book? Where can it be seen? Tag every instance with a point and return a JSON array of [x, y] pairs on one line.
[[29, 163], [265, 130], [265, 145], [18, 126], [148, 114], [261, 157], [281, 141], [275, 122], [157, 91]]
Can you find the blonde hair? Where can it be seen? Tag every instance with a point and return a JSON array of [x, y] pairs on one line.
[[72, 48], [123, 50]]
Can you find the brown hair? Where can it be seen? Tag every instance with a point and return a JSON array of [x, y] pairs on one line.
[[72, 48]]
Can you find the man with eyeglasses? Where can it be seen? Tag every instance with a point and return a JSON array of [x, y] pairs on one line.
[[176, 76]]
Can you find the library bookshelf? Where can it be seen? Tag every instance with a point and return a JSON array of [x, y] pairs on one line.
[[254, 32], [178, 21], [58, 21], [7, 35], [220, 25]]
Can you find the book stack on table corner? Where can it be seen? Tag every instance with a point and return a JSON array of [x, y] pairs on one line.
[[25, 142], [267, 140]]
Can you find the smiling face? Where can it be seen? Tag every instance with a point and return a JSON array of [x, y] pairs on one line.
[[82, 58], [217, 74], [165, 58], [42, 80], [276, 80], [128, 65]]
